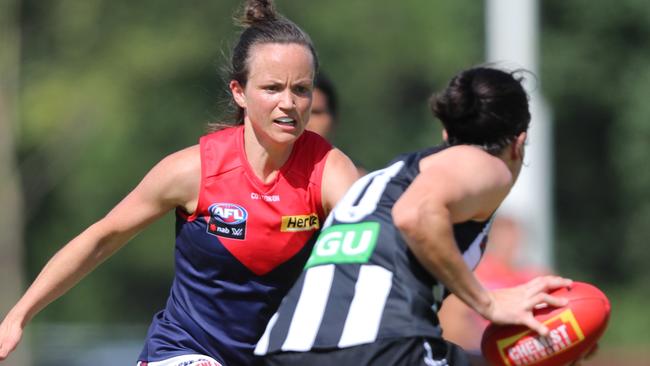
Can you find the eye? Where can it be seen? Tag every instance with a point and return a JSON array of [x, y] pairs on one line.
[[272, 88], [302, 90]]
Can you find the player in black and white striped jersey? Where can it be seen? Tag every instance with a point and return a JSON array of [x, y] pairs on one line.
[[405, 236]]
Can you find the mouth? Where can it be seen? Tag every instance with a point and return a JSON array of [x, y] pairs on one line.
[[285, 121]]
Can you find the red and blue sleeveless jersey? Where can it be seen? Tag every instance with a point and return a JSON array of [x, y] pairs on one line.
[[240, 252]]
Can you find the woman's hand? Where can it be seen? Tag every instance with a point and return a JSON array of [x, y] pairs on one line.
[[514, 305], [11, 332]]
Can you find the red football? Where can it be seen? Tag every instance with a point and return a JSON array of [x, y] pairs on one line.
[[574, 330]]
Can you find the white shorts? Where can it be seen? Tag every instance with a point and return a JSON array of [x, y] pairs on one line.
[[185, 360]]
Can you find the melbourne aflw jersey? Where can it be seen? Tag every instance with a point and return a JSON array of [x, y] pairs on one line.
[[361, 282], [240, 252]]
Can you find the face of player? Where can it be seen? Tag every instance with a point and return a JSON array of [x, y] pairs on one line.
[[321, 119], [277, 97]]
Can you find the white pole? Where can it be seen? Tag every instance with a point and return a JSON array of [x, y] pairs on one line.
[[512, 42]]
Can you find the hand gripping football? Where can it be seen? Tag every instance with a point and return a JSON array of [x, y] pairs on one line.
[[574, 330]]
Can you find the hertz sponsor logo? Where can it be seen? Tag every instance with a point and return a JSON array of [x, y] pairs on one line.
[[528, 347], [300, 223]]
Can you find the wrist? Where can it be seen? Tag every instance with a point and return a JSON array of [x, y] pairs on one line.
[[485, 305], [18, 317]]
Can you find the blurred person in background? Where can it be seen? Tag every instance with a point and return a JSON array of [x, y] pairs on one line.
[[365, 296], [324, 110], [324, 107], [249, 200], [500, 267]]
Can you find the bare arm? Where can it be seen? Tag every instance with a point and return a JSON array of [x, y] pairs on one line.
[[457, 185], [171, 183], [338, 176]]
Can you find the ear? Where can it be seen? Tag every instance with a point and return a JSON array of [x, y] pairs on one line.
[[517, 150], [445, 135], [237, 91]]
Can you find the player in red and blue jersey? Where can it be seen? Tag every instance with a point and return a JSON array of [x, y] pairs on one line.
[[249, 200], [240, 250]]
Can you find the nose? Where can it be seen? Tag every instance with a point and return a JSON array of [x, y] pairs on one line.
[[287, 100]]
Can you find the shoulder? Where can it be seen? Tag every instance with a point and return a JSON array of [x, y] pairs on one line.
[[338, 175], [340, 164], [184, 160], [466, 180], [179, 175], [467, 163]]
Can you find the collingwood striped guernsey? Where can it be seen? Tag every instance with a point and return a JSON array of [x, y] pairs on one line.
[[361, 282]]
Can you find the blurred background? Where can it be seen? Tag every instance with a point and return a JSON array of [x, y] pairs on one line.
[[93, 93]]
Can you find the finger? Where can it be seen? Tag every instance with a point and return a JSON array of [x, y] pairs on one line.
[[6, 348], [557, 282], [536, 285], [535, 325], [549, 300], [548, 283]]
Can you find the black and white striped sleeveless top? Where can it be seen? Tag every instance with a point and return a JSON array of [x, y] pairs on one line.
[[361, 282]]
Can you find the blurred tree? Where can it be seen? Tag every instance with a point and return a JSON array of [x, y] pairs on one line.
[[630, 146], [595, 74], [387, 58], [109, 88], [11, 219]]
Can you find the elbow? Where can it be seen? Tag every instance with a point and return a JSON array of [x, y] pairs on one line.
[[405, 220], [421, 222]]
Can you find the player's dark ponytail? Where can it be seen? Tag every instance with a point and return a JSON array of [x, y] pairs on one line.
[[483, 106], [256, 11]]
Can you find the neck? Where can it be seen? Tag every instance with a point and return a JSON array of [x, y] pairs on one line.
[[264, 156], [514, 165]]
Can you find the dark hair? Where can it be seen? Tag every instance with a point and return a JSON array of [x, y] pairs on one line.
[[483, 106], [262, 24], [324, 84]]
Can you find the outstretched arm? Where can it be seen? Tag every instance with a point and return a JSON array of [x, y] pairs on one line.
[[460, 184], [171, 183]]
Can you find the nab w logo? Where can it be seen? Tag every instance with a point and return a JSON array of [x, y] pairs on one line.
[[227, 220], [350, 243]]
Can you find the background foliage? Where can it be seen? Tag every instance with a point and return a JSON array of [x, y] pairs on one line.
[[110, 87]]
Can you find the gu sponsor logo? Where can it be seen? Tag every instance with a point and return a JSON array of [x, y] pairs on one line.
[[345, 243], [300, 223], [529, 347], [227, 220]]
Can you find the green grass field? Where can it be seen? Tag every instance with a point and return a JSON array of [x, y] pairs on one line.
[[627, 339]]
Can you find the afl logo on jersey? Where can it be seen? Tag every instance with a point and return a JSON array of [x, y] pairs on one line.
[[227, 220]]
